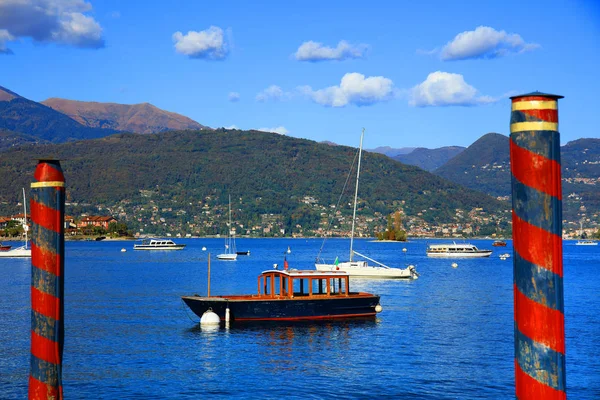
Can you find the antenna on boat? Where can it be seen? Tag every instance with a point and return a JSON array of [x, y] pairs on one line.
[[356, 193]]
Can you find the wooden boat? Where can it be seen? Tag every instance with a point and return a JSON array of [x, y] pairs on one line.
[[291, 295], [158, 244], [5, 247], [499, 243]]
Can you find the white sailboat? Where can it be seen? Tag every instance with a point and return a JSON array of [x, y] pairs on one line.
[[21, 251], [230, 252], [362, 268]]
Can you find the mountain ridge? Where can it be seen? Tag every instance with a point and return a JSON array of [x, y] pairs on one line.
[[137, 118]]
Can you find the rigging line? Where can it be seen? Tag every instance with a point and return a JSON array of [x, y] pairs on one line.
[[338, 202]]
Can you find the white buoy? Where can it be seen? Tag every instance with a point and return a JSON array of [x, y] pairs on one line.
[[204, 249], [123, 250], [404, 249], [454, 265], [378, 308], [209, 318], [227, 315]]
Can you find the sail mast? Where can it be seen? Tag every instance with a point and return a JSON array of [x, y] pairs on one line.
[[25, 226], [356, 193]]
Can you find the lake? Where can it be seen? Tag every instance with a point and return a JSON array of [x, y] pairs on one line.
[[446, 335]]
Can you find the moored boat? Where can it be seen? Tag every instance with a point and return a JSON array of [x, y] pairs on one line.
[[5, 247], [361, 268], [230, 251], [454, 250], [586, 242], [499, 243], [291, 295], [158, 244]]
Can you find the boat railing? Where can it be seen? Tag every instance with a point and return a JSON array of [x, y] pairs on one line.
[[370, 259]]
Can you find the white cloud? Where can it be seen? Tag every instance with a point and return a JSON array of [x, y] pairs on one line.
[[280, 129], [354, 89], [314, 51], [446, 89], [209, 44], [233, 96], [5, 36], [274, 93], [50, 21], [484, 42]]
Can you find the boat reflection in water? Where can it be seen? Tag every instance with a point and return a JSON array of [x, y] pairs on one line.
[[291, 295]]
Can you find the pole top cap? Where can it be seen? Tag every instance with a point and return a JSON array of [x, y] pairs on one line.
[[538, 94]]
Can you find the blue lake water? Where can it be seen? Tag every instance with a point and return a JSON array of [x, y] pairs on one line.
[[447, 335]]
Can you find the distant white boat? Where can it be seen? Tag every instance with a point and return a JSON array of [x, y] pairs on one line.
[[361, 268], [586, 242], [455, 250], [582, 241], [230, 253], [158, 244], [21, 251]]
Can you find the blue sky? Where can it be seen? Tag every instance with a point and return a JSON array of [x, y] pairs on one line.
[[413, 73]]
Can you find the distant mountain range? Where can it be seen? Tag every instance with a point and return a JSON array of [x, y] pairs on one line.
[[59, 120], [137, 118], [429, 159], [391, 152], [485, 166]]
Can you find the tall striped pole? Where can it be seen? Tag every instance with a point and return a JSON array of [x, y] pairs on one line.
[[537, 239], [47, 281]]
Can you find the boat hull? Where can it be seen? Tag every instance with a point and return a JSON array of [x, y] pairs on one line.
[[18, 252], [369, 272], [477, 254], [227, 257], [285, 309], [142, 247]]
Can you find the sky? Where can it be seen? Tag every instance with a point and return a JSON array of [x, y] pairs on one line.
[[412, 73]]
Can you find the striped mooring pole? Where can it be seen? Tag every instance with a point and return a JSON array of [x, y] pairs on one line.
[[537, 240], [47, 281]]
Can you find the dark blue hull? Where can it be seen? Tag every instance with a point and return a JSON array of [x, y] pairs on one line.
[[285, 309]]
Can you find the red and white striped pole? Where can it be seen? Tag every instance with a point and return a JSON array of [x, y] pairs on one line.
[[47, 281], [537, 239]]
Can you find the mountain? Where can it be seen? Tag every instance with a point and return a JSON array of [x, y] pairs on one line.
[[483, 166], [269, 173], [391, 152], [19, 114], [429, 159], [137, 118]]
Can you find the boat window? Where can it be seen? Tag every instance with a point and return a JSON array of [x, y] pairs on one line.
[[300, 287], [337, 286], [319, 286], [267, 285]]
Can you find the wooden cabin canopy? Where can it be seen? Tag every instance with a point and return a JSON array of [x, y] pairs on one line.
[[296, 283]]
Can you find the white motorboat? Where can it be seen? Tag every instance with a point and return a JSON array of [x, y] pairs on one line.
[[158, 244], [362, 269], [586, 242], [456, 250], [21, 251], [230, 252]]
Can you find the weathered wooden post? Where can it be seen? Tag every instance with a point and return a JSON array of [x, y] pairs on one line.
[[47, 281], [537, 239]]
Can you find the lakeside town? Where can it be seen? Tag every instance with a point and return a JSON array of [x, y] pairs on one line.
[[208, 219]]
